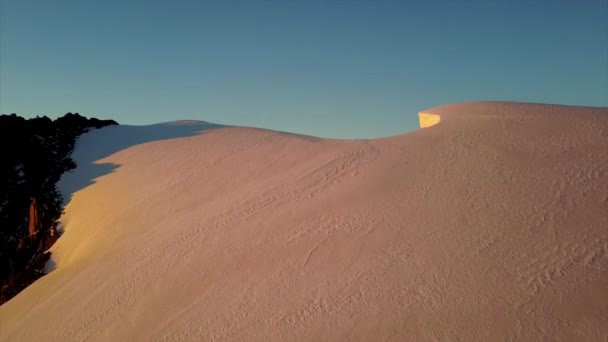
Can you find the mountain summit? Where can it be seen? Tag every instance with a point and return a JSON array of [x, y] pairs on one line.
[[489, 224]]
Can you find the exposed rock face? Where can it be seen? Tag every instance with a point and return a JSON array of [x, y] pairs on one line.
[[34, 221], [33, 238], [33, 155]]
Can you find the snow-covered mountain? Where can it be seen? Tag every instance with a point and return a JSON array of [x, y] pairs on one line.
[[489, 224]]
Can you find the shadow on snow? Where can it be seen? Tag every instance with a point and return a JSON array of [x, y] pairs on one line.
[[101, 143]]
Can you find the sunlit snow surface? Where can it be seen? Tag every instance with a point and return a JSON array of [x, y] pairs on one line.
[[489, 225]]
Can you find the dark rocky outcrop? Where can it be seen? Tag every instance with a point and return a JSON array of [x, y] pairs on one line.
[[33, 154]]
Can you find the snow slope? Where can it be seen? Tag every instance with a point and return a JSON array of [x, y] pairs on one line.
[[491, 224]]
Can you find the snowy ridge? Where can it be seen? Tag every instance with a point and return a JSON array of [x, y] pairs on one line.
[[488, 226], [428, 120]]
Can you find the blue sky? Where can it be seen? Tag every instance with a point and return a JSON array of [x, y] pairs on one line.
[[343, 69]]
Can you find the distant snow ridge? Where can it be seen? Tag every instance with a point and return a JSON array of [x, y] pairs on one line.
[[186, 122], [489, 226]]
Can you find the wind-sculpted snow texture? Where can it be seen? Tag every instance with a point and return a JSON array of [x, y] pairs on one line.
[[490, 225]]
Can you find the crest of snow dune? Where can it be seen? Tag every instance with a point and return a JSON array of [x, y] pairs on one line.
[[428, 120], [490, 226]]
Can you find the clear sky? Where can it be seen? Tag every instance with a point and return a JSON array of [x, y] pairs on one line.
[[343, 69]]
